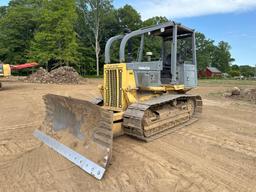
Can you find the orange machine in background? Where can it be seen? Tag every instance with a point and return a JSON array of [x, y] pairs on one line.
[[5, 69]]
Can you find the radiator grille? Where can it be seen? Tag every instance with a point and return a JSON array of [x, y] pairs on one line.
[[113, 89]]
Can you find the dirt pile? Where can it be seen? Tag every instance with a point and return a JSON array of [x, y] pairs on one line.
[[242, 94], [61, 75], [40, 76]]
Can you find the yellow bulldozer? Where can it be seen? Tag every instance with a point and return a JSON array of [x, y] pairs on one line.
[[5, 71], [144, 98]]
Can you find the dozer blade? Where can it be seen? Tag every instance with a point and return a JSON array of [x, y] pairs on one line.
[[80, 131]]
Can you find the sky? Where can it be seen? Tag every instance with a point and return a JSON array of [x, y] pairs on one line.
[[232, 21]]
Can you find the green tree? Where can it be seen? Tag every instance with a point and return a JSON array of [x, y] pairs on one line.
[[247, 71], [234, 67], [222, 56], [55, 39], [154, 21], [234, 70], [128, 17], [93, 12], [3, 11], [115, 21], [17, 29], [86, 53], [205, 51]]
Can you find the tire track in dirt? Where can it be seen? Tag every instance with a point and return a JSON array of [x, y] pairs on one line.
[[20, 126], [17, 147], [226, 157], [148, 168], [35, 169], [212, 169], [223, 142], [164, 165], [234, 121], [230, 149], [235, 162], [236, 112]]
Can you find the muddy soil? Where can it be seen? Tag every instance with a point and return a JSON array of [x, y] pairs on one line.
[[217, 153]]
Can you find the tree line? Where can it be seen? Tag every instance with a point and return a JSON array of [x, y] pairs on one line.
[[243, 70], [74, 32]]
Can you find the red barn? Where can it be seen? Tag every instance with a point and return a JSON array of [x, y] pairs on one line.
[[210, 72]]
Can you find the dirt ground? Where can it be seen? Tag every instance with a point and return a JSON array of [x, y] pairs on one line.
[[217, 153]]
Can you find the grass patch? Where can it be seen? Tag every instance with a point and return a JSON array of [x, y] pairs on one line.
[[227, 82], [216, 94]]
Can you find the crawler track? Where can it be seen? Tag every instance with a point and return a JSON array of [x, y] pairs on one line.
[[157, 117]]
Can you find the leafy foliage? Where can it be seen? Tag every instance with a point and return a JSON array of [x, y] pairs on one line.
[[205, 51], [55, 38], [222, 57], [244, 70], [17, 30], [247, 70], [128, 17], [74, 32], [3, 11], [209, 54], [92, 14]]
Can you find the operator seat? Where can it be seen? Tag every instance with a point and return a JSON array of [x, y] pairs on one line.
[[166, 75]]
